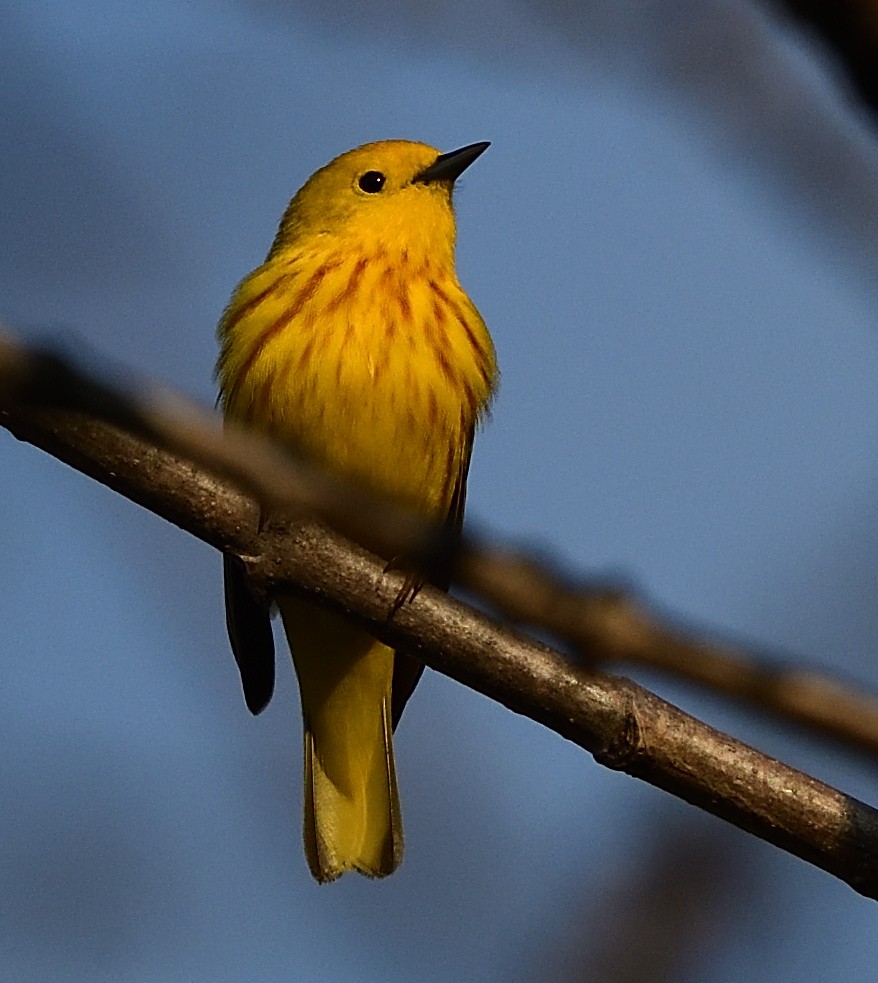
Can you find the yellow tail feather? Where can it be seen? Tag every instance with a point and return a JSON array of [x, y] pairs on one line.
[[352, 815]]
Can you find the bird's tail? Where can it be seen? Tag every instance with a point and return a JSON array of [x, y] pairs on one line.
[[352, 815]]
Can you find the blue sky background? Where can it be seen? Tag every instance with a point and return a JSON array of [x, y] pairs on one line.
[[673, 240]]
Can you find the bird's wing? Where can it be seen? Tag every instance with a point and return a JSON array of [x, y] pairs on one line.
[[407, 669], [249, 625], [248, 620]]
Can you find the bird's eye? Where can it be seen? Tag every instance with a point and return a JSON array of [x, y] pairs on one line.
[[372, 182]]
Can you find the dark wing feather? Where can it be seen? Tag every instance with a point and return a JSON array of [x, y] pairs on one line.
[[249, 625], [407, 669]]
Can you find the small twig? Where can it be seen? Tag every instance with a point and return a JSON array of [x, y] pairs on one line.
[[606, 624]]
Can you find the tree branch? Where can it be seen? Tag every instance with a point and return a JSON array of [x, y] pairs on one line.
[[607, 624], [850, 29], [601, 621], [624, 726]]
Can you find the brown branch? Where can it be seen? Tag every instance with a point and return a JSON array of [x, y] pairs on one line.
[[624, 726], [40, 377], [604, 624]]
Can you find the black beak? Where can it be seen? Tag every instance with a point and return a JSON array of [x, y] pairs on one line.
[[449, 167]]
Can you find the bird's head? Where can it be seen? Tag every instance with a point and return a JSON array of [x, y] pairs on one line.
[[394, 193]]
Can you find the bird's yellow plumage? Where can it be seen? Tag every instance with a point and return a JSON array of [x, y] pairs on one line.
[[355, 343]]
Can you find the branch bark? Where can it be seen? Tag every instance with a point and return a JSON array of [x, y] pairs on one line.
[[622, 725], [607, 624]]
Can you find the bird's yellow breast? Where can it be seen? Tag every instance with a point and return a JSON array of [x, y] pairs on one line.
[[372, 361]]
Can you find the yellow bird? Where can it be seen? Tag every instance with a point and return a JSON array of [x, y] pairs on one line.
[[355, 344]]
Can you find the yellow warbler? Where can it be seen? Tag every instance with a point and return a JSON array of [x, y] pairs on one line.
[[355, 343]]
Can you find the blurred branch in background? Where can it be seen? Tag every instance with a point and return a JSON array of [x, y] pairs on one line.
[[664, 918], [601, 621], [123, 443], [850, 29], [603, 624]]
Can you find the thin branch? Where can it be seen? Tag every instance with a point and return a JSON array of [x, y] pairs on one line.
[[600, 621], [624, 726], [607, 624], [278, 480]]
